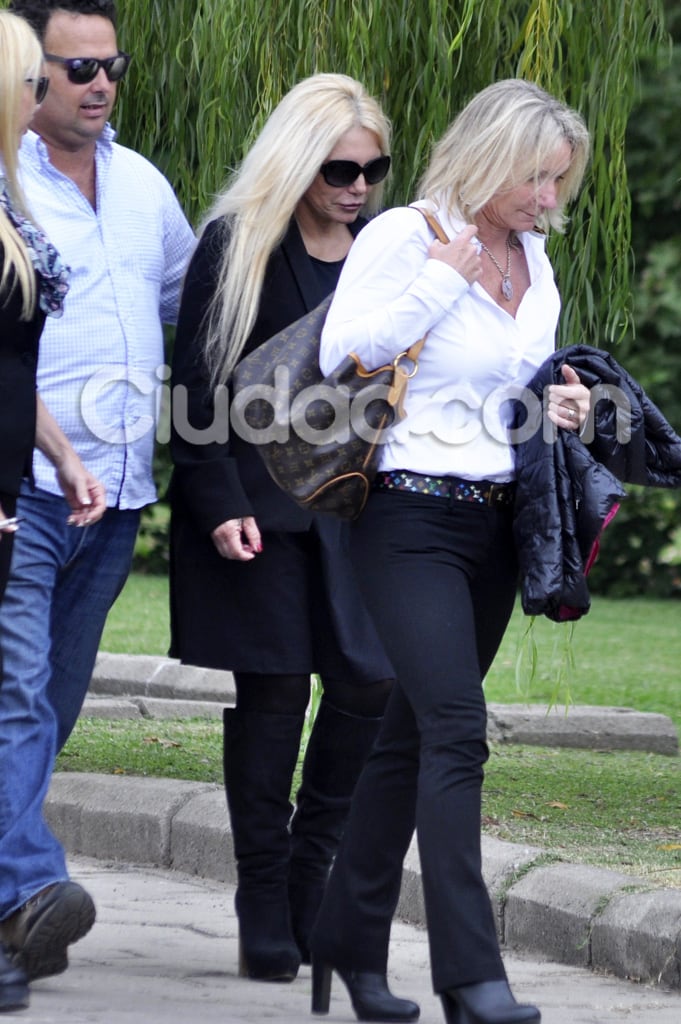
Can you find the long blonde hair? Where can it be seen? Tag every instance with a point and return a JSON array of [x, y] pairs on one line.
[[21, 57], [259, 201], [500, 139]]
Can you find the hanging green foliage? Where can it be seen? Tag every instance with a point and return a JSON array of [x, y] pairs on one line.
[[208, 72]]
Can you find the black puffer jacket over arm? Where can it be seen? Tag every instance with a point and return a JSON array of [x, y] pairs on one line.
[[569, 487]]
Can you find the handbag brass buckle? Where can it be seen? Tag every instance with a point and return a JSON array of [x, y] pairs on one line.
[[397, 363]]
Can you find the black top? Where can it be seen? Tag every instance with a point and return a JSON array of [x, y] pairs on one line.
[[327, 273]]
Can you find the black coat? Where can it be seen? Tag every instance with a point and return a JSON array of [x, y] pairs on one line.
[[568, 489], [258, 616], [18, 366], [227, 479]]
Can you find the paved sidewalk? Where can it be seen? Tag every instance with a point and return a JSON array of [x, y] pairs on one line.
[[569, 913], [164, 951]]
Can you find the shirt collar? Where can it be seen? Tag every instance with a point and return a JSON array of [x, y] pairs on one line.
[[104, 144]]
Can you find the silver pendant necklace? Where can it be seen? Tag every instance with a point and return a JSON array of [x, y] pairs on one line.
[[506, 284]]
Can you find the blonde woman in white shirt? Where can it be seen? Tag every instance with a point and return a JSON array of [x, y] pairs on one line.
[[435, 542]]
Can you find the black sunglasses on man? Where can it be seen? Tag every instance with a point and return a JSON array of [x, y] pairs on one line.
[[81, 70]]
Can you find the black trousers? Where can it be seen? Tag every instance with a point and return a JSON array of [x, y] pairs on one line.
[[439, 579]]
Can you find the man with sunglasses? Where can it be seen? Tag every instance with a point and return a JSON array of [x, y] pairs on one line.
[[118, 225]]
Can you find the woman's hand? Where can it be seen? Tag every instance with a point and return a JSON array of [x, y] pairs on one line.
[[238, 539], [461, 254], [569, 403]]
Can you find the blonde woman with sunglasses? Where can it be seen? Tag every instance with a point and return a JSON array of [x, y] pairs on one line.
[[259, 586]]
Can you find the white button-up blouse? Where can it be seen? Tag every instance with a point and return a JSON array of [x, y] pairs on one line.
[[476, 356]]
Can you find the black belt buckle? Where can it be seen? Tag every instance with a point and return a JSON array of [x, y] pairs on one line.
[[500, 494]]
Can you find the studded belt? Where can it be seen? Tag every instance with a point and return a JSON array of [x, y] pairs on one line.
[[479, 492]]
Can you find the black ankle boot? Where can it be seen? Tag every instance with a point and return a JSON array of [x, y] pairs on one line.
[[13, 985], [337, 749], [371, 998], [489, 1002], [260, 754], [267, 950]]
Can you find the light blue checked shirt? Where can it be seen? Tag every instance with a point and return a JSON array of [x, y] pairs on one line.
[[101, 369]]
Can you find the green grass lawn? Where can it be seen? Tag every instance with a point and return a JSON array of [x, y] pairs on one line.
[[618, 809], [138, 623], [626, 653]]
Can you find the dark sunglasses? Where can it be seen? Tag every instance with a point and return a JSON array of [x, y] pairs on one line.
[[341, 173], [40, 87], [81, 70]]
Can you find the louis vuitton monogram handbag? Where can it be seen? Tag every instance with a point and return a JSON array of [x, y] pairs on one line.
[[320, 436]]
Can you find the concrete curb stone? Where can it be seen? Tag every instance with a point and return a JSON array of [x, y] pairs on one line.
[[126, 818], [605, 728], [638, 935], [568, 913], [158, 679], [111, 708], [149, 707], [151, 676], [551, 909], [201, 839]]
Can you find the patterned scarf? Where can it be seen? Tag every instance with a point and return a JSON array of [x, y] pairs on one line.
[[52, 273]]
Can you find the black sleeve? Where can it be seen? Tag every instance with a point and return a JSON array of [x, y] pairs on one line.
[[18, 365], [205, 474]]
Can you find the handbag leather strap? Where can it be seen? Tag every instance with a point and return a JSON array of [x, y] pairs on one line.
[[414, 351], [435, 225]]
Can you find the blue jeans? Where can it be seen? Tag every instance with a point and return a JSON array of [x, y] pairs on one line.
[[62, 584]]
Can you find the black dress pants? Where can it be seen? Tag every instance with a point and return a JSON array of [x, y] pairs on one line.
[[439, 578]]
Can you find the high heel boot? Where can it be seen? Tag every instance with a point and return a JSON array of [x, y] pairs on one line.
[[488, 1002], [260, 754], [370, 996], [13, 984], [337, 749]]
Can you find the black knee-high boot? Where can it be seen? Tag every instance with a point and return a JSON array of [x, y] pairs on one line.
[[336, 752], [260, 753]]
